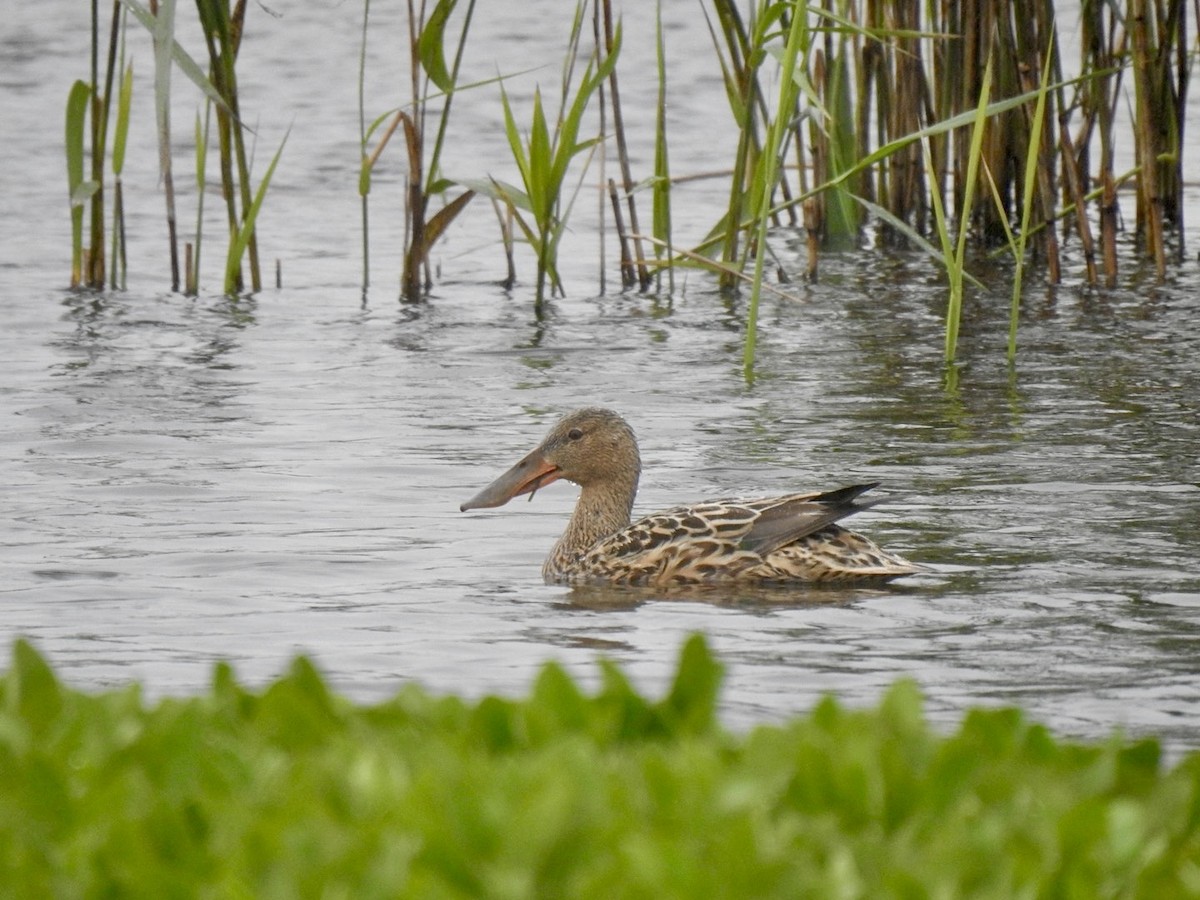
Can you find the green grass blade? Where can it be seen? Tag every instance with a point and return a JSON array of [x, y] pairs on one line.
[[76, 128], [841, 212], [187, 65], [957, 256], [956, 121], [661, 208], [124, 101], [202, 132], [240, 241], [543, 157], [914, 237], [540, 186], [975, 153], [431, 43], [1032, 159], [364, 171], [767, 172], [433, 172], [515, 142]]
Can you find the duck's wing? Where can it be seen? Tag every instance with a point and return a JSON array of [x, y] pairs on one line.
[[719, 538], [682, 544], [783, 520]]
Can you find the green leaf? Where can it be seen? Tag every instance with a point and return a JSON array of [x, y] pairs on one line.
[[494, 721], [911, 235], [430, 44], [187, 65], [766, 176], [294, 791], [237, 246], [661, 182], [1033, 158], [692, 701], [84, 191], [124, 101], [201, 154], [556, 706], [31, 691], [842, 221], [76, 129]]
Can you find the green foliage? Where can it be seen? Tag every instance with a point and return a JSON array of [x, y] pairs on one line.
[[78, 190], [661, 217], [294, 791], [953, 252], [766, 176], [1017, 244], [427, 53], [544, 155], [222, 32], [430, 47], [124, 100], [244, 233], [162, 28], [842, 219]]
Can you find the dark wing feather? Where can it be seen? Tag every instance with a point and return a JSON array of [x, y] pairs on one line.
[[783, 520]]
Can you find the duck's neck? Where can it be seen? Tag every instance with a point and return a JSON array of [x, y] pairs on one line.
[[602, 509]]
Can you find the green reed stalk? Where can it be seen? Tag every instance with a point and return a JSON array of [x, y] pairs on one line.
[[953, 253], [428, 59], [767, 175], [543, 158], [662, 168], [364, 171], [79, 191], [924, 139], [87, 121], [222, 32], [160, 23], [245, 233], [606, 188], [740, 74], [94, 264], [1017, 243], [99, 147], [202, 134], [163, 31], [119, 267], [1033, 164], [841, 219]]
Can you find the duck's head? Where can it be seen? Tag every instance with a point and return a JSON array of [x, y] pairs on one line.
[[592, 447]]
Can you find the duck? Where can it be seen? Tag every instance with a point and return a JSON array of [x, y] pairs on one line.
[[788, 539]]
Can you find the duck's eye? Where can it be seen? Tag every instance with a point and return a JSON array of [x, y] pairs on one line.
[[574, 434]]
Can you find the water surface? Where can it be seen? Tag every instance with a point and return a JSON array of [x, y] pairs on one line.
[[189, 480]]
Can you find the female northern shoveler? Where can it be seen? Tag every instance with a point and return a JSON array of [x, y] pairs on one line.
[[772, 539]]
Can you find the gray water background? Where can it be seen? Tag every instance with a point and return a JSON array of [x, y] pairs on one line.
[[187, 480]]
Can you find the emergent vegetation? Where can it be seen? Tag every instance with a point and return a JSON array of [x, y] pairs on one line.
[[294, 791], [916, 119]]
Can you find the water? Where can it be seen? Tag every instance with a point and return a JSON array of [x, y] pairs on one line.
[[193, 480]]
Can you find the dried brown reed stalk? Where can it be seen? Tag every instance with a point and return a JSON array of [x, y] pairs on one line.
[[894, 78], [643, 280], [1152, 120]]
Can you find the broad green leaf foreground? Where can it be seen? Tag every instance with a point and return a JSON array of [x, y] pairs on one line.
[[294, 791]]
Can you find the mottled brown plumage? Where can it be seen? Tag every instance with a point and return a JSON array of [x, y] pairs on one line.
[[769, 539]]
